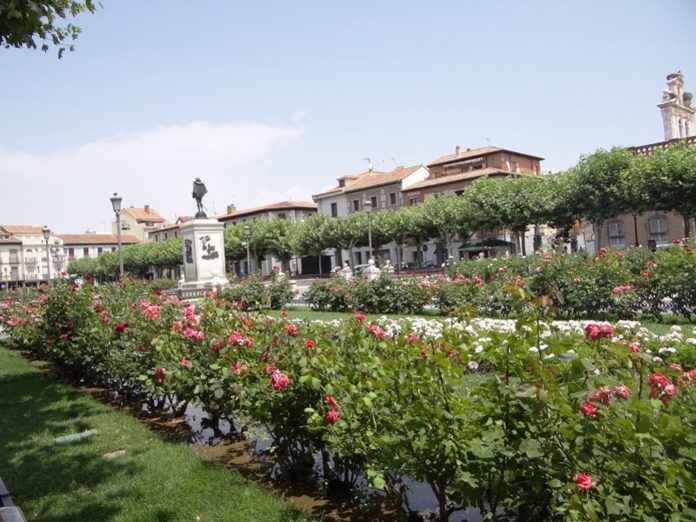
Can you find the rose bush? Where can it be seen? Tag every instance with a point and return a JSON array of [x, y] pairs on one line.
[[527, 419]]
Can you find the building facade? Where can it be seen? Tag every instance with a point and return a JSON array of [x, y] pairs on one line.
[[79, 246], [655, 228], [294, 211], [23, 255], [139, 222], [451, 174], [376, 190]]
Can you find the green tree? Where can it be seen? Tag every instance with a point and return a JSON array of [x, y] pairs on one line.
[[22, 22], [670, 181], [598, 186]]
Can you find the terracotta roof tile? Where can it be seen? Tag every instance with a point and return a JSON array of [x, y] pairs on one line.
[[472, 153], [96, 239], [144, 214], [377, 179], [281, 205], [369, 179], [454, 178], [23, 230]]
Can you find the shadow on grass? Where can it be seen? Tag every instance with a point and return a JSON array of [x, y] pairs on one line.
[[42, 477]]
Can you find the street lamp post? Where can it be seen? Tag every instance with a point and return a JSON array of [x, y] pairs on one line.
[[368, 208], [116, 204], [46, 235], [247, 237]]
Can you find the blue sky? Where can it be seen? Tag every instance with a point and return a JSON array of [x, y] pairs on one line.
[[269, 101]]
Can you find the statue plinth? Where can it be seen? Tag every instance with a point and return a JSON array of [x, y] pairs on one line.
[[204, 256]]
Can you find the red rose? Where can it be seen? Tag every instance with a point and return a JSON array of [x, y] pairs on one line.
[[583, 481], [588, 409], [330, 401], [120, 327], [359, 316], [291, 329], [309, 344], [160, 374], [412, 338], [332, 416]]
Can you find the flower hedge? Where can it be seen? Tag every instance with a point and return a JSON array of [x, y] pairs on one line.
[[633, 284], [527, 419]]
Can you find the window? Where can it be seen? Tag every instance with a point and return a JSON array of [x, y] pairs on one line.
[[616, 234], [413, 200], [166, 236], [334, 209], [99, 250], [176, 234], [85, 251], [281, 215], [458, 192], [358, 258], [657, 227], [392, 199], [113, 249], [14, 256], [356, 205], [373, 200], [71, 253]]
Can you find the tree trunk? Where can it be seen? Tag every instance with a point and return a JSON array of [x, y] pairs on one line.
[[597, 226], [635, 230], [339, 257], [399, 254], [523, 238], [687, 225], [319, 259]]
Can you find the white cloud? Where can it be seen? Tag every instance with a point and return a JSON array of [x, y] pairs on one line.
[[69, 189]]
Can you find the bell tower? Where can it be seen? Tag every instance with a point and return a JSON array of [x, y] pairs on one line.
[[677, 112]]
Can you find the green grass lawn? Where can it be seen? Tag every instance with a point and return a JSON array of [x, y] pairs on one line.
[[155, 481], [307, 314]]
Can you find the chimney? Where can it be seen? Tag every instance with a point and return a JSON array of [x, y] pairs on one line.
[[231, 209], [147, 209], [456, 150]]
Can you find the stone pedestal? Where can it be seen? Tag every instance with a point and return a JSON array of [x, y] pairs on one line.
[[204, 256]]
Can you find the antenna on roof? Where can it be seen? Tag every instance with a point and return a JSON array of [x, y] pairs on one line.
[[488, 140], [369, 164]]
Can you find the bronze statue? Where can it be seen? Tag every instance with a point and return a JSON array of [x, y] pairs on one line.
[[199, 191]]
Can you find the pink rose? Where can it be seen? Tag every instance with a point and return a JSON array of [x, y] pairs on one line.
[[623, 391], [634, 347], [359, 316], [185, 363], [279, 380], [592, 332], [583, 481], [412, 338]]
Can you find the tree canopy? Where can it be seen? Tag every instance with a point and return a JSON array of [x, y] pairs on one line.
[[23, 22]]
